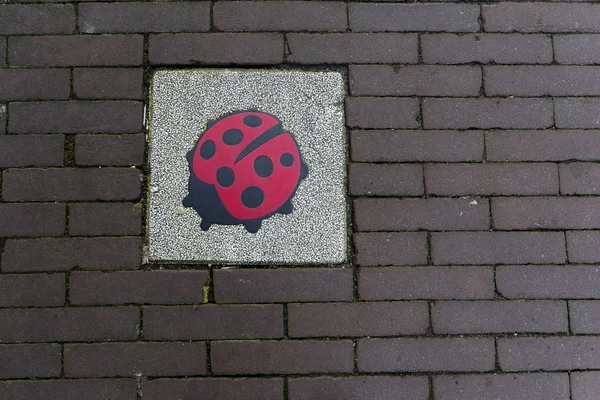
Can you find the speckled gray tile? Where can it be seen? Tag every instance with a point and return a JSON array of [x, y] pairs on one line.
[[309, 105]]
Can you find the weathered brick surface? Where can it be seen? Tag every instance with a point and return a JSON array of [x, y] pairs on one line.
[[111, 150], [385, 179], [282, 357], [32, 290], [3, 110], [486, 48], [214, 388], [382, 112], [577, 49], [373, 249], [584, 246], [584, 316], [585, 385], [98, 219], [31, 150], [280, 16], [34, 84], [577, 112], [579, 178], [36, 19], [144, 17], [431, 355], [29, 361], [108, 83], [2, 52], [18, 219], [431, 214], [71, 389]]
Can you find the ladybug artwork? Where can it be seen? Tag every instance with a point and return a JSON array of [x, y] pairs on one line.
[[244, 169]]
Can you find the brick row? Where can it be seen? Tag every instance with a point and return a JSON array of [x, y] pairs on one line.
[[576, 49], [214, 388], [34, 84], [31, 220], [104, 219], [91, 389], [385, 179], [382, 248], [30, 150], [583, 316], [585, 385], [110, 150], [577, 112], [32, 290], [382, 112], [579, 178], [30, 361], [36, 19], [583, 246], [108, 83]]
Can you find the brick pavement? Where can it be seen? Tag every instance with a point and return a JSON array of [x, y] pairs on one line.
[[472, 178]]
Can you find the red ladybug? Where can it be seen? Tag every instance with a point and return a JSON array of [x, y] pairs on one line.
[[244, 169]]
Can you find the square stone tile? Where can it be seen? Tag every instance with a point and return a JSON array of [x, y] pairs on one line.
[[244, 148]]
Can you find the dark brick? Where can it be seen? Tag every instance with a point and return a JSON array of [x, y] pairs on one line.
[[76, 117], [30, 150], [281, 357], [546, 281], [548, 354], [421, 214], [414, 80], [548, 145], [58, 184], [585, 385], [214, 388], [579, 178], [584, 246], [135, 359], [146, 287], [216, 48], [374, 249], [479, 317], [144, 17], [352, 48], [89, 389], [412, 283], [2, 116], [283, 285], [584, 316], [487, 113], [486, 48], [541, 17], [32, 290], [530, 213], [395, 146], [498, 248], [109, 83], [551, 80], [36, 19], [378, 112], [577, 112], [32, 219], [36, 84], [358, 319], [29, 361], [2, 52], [577, 49], [385, 179], [115, 150], [77, 50], [414, 17], [213, 322], [502, 386], [491, 179], [359, 388], [69, 324], [23, 255], [98, 219], [280, 16], [425, 355]]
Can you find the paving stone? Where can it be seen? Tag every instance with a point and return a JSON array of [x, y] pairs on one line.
[[280, 16], [577, 112], [145, 287], [214, 388], [534, 386], [31, 150], [428, 283], [110, 150], [426, 354], [585, 385], [36, 19], [486, 48], [413, 17], [583, 316], [414, 80], [69, 389], [579, 178], [352, 48], [487, 113], [282, 285], [216, 48], [98, 219], [63, 254], [281, 357], [144, 17], [2, 52], [491, 179], [379, 248], [385, 179], [481, 317], [134, 359], [498, 248], [34, 84], [432, 214], [382, 112], [577, 49], [213, 322], [584, 246], [30, 361], [108, 83], [358, 319], [76, 50], [32, 290], [359, 388], [546, 281], [69, 324], [18, 219], [421, 146]]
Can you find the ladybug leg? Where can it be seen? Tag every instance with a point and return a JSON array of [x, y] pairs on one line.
[[252, 226], [303, 170], [187, 201], [286, 208], [205, 224]]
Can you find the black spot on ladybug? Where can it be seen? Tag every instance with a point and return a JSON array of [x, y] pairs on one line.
[[252, 121], [233, 137], [263, 166], [286, 159], [207, 151], [225, 176], [252, 197]]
